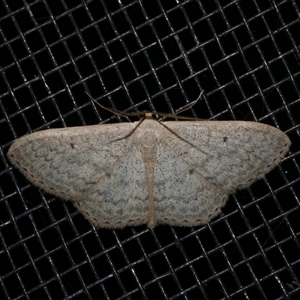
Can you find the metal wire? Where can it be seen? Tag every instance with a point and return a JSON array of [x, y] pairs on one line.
[[157, 55]]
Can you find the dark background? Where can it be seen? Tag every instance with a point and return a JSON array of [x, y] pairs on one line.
[[155, 55]]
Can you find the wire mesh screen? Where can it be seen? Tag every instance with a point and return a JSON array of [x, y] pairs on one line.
[[135, 55]]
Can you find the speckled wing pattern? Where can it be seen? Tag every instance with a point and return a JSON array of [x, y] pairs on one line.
[[178, 174]]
